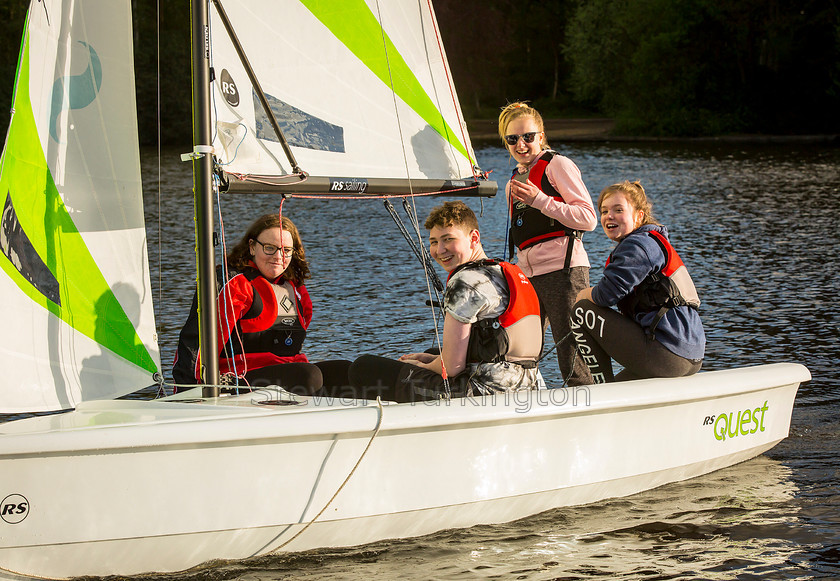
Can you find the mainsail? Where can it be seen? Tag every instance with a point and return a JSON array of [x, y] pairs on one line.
[[77, 302], [360, 89]]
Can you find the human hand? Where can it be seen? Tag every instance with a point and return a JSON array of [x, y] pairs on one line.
[[416, 358], [525, 192], [585, 293]]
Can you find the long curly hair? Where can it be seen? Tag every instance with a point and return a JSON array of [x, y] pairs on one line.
[[239, 258]]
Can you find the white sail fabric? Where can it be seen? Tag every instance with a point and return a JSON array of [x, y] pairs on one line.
[[75, 290], [360, 89]]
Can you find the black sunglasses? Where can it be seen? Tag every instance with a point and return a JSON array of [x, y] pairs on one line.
[[526, 137]]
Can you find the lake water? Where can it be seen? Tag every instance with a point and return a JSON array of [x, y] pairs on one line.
[[757, 227]]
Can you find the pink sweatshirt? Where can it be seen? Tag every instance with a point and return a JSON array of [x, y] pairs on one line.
[[577, 213]]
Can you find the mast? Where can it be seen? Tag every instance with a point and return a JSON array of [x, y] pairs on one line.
[[202, 161]]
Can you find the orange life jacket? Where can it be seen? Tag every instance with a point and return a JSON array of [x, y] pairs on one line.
[[516, 334]]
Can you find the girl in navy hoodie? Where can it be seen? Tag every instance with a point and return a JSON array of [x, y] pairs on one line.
[[656, 331]]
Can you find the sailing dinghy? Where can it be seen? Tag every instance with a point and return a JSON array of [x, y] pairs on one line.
[[89, 491]]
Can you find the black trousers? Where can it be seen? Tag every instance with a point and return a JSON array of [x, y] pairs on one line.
[[302, 378], [603, 334], [557, 292], [392, 380]]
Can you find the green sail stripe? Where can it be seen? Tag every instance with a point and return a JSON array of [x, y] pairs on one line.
[[352, 22], [86, 303]]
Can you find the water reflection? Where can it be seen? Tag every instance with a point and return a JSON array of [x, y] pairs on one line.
[[739, 520], [749, 221]]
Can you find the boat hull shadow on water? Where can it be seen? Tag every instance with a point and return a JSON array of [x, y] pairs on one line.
[[326, 473]]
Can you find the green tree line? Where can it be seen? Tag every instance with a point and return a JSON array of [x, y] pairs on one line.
[[658, 67]]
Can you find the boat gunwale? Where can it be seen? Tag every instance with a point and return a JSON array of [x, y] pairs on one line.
[[237, 426]]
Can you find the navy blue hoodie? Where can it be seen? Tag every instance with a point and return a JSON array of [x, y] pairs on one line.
[[635, 257]]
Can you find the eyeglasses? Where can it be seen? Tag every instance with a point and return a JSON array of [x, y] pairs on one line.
[[526, 137], [271, 249]]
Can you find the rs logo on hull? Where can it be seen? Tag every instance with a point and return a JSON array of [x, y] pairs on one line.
[[14, 508]]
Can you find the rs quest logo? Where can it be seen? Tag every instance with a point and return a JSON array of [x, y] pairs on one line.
[[737, 423], [14, 508]]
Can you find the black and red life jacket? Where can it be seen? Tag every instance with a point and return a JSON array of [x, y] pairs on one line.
[[516, 334], [262, 329], [529, 226], [661, 291]]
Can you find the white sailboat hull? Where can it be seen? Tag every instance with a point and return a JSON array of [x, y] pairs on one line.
[[113, 488]]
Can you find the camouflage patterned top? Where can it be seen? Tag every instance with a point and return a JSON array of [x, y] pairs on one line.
[[482, 293]]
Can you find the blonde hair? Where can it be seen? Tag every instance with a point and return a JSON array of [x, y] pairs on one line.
[[635, 194], [516, 110]]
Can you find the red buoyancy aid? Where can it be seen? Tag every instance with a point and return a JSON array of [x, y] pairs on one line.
[[516, 334], [529, 226], [186, 368], [260, 336], [661, 291], [264, 329]]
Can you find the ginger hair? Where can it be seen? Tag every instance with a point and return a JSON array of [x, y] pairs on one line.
[[635, 194]]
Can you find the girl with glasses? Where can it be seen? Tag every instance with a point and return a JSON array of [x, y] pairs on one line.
[[264, 312], [549, 208]]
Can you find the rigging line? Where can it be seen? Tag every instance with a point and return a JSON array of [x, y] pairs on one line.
[[571, 362], [159, 157], [410, 185], [257, 179], [461, 122], [430, 274], [403, 230], [418, 252], [160, 173], [346, 480], [394, 97], [427, 261], [553, 347], [429, 270], [452, 151], [428, 265], [225, 293], [507, 229]]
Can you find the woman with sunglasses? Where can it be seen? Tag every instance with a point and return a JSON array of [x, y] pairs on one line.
[[549, 208], [263, 312]]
